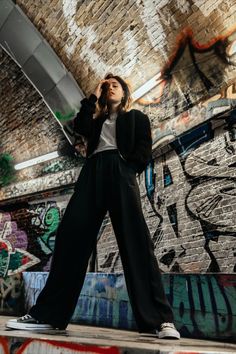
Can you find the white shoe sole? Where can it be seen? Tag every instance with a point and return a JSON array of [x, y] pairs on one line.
[[169, 334], [13, 324]]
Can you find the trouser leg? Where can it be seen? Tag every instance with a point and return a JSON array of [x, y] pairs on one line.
[[75, 240], [143, 278]]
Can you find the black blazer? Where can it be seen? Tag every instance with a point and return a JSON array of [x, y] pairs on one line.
[[133, 133]]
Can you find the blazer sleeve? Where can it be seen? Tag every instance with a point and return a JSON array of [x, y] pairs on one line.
[[84, 119], [142, 152]]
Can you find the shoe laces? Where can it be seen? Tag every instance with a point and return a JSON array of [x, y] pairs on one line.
[[26, 317], [166, 325]]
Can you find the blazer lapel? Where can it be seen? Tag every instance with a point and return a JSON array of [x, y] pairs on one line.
[[125, 131]]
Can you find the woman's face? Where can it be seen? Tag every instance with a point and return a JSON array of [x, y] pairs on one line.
[[115, 91]]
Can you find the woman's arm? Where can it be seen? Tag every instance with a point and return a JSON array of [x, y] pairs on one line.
[[84, 119]]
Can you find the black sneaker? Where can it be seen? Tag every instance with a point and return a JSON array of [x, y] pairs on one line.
[[168, 331], [27, 322]]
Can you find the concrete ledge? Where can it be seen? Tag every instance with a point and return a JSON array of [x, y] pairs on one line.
[[87, 339]]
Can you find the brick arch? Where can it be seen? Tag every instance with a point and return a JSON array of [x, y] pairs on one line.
[[20, 39]]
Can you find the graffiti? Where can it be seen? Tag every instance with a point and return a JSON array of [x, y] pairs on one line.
[[188, 201], [4, 345], [27, 237], [111, 258], [26, 346], [10, 293], [33, 283], [128, 344], [199, 83], [64, 117], [156, 16], [48, 217], [68, 163], [218, 105], [203, 163], [141, 345], [13, 243], [44, 183], [188, 198], [203, 305], [208, 6], [27, 233], [7, 171], [103, 299], [87, 52]]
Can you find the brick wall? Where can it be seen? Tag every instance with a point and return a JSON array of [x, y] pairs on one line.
[[191, 43], [188, 192], [189, 203], [27, 125], [188, 197], [133, 38]]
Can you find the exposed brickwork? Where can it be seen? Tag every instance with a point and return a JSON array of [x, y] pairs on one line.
[[135, 38], [190, 204], [190, 210], [28, 128], [188, 199]]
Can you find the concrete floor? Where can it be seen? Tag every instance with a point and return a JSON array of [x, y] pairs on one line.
[[77, 338]]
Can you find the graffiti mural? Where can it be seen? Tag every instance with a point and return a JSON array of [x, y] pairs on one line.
[[41, 346], [189, 202], [197, 208], [204, 305], [48, 217], [13, 244], [11, 294], [185, 84], [27, 237], [88, 53], [41, 184], [169, 130]]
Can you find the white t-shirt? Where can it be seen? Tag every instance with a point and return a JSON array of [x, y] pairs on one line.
[[107, 140]]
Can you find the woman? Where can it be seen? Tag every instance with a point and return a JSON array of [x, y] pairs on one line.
[[119, 145]]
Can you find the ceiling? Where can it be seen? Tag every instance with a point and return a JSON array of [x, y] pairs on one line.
[[188, 45]]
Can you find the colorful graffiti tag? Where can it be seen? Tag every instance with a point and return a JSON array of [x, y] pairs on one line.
[[27, 346], [202, 163], [11, 288], [13, 244], [204, 305], [27, 236], [188, 201]]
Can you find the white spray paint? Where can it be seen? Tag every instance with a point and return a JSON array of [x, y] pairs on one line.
[[207, 6], [90, 55], [154, 15]]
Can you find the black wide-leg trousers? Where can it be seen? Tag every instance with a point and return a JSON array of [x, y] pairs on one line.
[[106, 183]]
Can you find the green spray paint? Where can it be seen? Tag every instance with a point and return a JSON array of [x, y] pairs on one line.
[[4, 259], [181, 302], [51, 220], [64, 117], [7, 171]]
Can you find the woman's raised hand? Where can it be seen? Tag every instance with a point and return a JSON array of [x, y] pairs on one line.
[[98, 90]]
